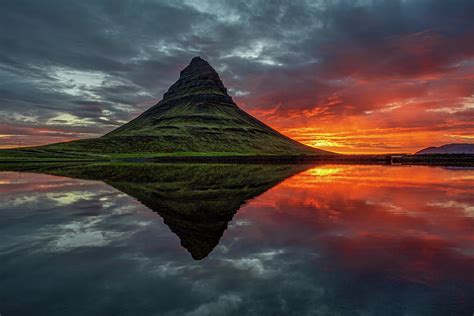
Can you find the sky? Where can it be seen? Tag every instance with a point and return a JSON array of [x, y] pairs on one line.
[[348, 76]]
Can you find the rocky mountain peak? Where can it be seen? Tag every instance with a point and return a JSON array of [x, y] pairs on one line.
[[198, 61], [197, 78]]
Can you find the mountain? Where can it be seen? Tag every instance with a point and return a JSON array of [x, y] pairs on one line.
[[448, 149], [196, 115], [196, 201]]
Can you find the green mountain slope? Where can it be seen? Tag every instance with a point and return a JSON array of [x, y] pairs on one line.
[[196, 115]]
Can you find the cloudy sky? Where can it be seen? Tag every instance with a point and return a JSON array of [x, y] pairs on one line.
[[349, 76]]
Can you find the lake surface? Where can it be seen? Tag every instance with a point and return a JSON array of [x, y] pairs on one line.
[[144, 239]]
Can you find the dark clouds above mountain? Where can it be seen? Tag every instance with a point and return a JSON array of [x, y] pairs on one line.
[[337, 74]]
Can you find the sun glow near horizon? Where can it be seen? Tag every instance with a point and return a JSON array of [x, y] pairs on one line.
[[314, 72]]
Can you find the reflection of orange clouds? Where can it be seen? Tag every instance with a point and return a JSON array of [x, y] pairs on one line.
[[32, 183], [410, 223], [322, 172]]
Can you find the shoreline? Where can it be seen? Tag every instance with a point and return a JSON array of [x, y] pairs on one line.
[[429, 160]]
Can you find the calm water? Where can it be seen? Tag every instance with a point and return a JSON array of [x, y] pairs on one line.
[[237, 240]]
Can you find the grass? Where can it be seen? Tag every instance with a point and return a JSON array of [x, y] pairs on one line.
[[44, 155]]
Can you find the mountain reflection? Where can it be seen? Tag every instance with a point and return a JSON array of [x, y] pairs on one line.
[[330, 240], [196, 201]]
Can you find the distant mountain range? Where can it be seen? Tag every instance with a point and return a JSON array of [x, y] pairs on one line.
[[196, 115], [448, 149]]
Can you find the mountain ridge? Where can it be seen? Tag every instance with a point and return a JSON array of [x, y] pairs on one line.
[[454, 148]]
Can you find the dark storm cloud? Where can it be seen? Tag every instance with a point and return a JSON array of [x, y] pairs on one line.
[[106, 61]]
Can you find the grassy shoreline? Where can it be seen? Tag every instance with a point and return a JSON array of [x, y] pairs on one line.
[[33, 155]]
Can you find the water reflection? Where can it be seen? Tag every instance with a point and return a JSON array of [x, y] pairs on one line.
[[327, 240], [196, 201]]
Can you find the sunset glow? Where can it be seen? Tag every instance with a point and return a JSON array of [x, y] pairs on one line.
[[350, 77], [235, 157]]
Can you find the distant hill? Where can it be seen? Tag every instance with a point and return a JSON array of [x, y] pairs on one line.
[[448, 149], [196, 115]]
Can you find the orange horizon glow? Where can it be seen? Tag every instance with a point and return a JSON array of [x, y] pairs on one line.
[[349, 106], [337, 85], [332, 138], [367, 133]]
